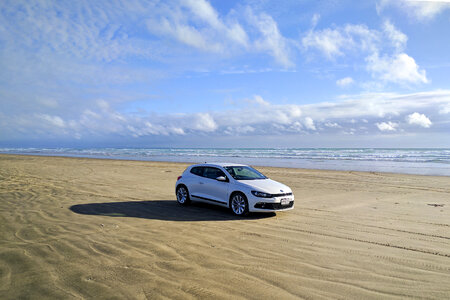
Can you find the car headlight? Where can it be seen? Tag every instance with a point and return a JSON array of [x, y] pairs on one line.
[[261, 194]]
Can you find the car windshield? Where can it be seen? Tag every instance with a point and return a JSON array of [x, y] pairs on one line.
[[244, 173]]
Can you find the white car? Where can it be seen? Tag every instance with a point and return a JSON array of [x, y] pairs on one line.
[[239, 187]]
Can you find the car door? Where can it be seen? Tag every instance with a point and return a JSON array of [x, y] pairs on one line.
[[196, 181], [215, 190]]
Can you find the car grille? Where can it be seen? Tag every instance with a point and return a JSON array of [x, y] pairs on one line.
[[281, 195], [264, 205]]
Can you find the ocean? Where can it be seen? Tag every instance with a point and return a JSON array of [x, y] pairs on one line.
[[401, 160]]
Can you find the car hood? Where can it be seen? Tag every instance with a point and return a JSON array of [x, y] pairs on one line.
[[267, 186]]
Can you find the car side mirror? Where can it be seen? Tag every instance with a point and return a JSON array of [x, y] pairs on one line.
[[221, 178]]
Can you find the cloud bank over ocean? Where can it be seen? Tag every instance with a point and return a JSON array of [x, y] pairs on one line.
[[355, 115]]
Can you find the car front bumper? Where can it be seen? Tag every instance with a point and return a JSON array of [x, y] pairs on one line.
[[257, 204]]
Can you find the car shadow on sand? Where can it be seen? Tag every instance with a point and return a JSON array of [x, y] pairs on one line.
[[163, 210]]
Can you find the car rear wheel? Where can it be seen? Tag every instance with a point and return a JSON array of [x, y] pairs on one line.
[[183, 195], [239, 204]]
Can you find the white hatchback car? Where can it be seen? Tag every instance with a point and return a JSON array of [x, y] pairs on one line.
[[239, 187]]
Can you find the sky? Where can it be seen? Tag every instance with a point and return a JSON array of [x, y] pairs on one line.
[[198, 73]]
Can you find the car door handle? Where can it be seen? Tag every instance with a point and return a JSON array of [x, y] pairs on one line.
[[201, 182]]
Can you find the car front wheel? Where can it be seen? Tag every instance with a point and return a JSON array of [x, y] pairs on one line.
[[239, 204], [183, 195]]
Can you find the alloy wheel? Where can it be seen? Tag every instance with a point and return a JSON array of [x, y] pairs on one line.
[[238, 205], [182, 195]]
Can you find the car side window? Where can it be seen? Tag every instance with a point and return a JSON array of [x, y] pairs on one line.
[[213, 173], [197, 171]]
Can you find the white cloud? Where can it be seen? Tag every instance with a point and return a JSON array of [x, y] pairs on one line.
[[204, 122], [397, 37], [296, 126], [332, 125], [418, 119], [178, 130], [422, 10], [53, 120], [344, 82], [309, 123], [261, 114], [387, 126], [199, 25], [271, 39], [385, 64], [334, 42], [185, 34], [258, 100], [400, 68], [147, 128], [328, 41], [205, 12], [239, 130], [294, 111]]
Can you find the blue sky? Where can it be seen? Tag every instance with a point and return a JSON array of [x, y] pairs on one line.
[[225, 73]]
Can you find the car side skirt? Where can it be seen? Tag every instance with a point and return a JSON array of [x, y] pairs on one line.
[[208, 199]]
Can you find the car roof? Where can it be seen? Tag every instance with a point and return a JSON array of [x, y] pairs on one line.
[[219, 164]]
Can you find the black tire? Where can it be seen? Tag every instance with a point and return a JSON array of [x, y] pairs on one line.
[[182, 194], [239, 204]]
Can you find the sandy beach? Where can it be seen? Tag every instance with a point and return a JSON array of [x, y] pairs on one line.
[[90, 228]]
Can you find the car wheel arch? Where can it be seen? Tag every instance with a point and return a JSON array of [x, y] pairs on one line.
[[180, 185]]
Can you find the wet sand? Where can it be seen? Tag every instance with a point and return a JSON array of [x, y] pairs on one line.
[[89, 228]]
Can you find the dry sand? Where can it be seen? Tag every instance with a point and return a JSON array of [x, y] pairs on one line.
[[87, 228]]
